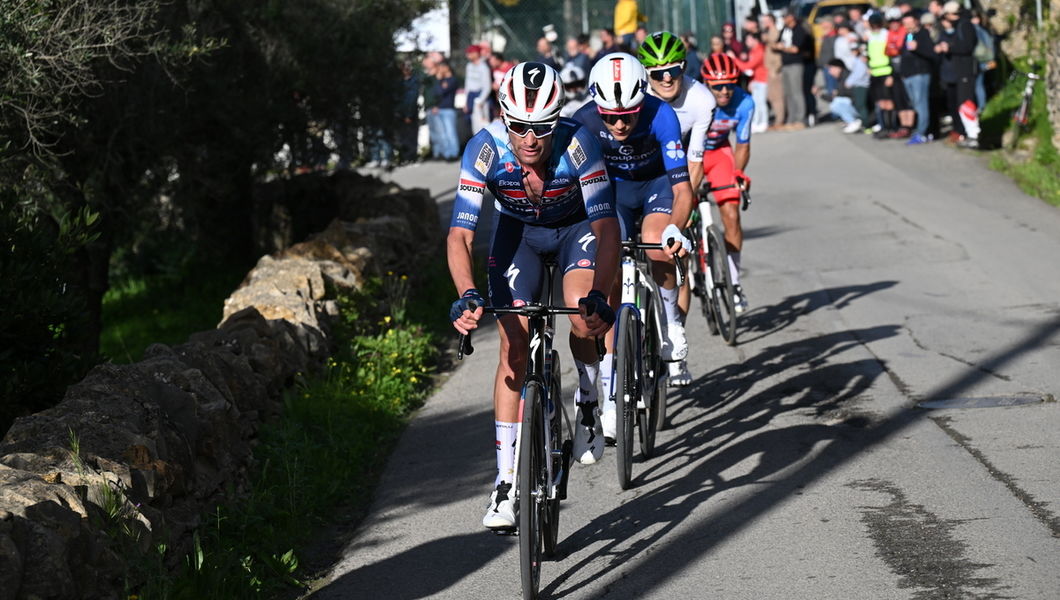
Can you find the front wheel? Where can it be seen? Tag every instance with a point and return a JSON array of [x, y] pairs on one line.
[[560, 462], [532, 488], [627, 391], [652, 380], [722, 301]]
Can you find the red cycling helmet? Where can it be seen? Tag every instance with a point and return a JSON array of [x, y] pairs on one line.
[[719, 68]]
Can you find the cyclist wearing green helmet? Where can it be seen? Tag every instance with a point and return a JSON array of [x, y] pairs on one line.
[[663, 56]]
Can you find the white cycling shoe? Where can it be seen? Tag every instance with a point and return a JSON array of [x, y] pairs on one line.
[[500, 514], [675, 347], [739, 300], [588, 434], [679, 375], [608, 423]]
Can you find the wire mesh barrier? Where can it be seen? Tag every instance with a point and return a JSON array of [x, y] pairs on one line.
[[514, 26]]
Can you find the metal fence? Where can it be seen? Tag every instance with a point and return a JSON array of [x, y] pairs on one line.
[[514, 26]]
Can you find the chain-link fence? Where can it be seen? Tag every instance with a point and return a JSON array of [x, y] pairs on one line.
[[514, 26]]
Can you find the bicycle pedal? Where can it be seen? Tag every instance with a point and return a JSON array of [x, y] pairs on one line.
[[506, 531]]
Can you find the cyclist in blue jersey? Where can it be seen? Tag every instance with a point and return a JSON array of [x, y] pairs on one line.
[[723, 163], [641, 139], [553, 198]]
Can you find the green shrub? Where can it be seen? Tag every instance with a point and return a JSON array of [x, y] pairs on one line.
[[40, 352]]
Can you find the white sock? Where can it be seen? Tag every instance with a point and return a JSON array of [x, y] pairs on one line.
[[734, 267], [505, 452], [669, 298], [587, 374], [606, 365]]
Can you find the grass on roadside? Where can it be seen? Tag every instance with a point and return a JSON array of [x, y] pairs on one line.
[[142, 311], [327, 450]]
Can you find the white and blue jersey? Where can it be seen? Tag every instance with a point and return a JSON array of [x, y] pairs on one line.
[[733, 117], [652, 150], [578, 186]]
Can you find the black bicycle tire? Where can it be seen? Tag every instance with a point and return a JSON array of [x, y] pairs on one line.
[[625, 387], [724, 293], [550, 527], [660, 382], [653, 366], [700, 264], [529, 478]]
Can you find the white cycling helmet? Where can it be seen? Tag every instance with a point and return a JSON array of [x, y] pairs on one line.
[[571, 73], [531, 92], [618, 81]]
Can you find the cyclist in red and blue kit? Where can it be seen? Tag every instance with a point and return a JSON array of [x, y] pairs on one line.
[[641, 140], [553, 198], [723, 163]]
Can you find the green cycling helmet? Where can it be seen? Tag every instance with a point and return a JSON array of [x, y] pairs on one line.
[[661, 48]]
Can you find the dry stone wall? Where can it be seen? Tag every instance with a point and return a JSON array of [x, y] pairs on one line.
[[134, 454]]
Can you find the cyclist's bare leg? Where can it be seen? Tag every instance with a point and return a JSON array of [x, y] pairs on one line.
[[511, 367], [662, 267], [588, 438], [576, 285], [665, 274]]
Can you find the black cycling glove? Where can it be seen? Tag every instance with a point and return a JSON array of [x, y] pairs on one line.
[[596, 302], [471, 300]]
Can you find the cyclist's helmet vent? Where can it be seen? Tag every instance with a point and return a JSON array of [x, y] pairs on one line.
[[720, 68], [531, 92], [617, 81], [661, 48]]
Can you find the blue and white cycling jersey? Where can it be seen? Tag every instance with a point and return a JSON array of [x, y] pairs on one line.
[[734, 116], [652, 150], [578, 185]]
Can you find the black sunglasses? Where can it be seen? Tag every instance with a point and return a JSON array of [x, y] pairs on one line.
[[540, 130], [720, 87], [674, 72]]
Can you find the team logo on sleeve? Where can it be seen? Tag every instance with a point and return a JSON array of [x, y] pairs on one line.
[[577, 153], [597, 177], [485, 158], [508, 166], [674, 149]]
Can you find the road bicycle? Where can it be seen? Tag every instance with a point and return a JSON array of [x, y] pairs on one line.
[[1023, 113], [640, 372], [711, 280], [543, 454]]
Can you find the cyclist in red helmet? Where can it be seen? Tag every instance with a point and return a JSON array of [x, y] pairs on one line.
[[724, 163]]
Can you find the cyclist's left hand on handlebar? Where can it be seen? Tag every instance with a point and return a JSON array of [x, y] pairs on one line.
[[680, 242], [465, 312], [743, 180], [597, 312]]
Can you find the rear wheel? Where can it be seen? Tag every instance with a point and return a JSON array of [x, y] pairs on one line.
[[722, 302], [626, 393], [532, 479]]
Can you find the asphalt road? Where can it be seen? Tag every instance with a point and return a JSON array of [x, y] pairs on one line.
[[802, 463]]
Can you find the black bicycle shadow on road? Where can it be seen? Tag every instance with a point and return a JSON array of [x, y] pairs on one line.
[[721, 425]]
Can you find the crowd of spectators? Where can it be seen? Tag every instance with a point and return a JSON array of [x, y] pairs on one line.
[[895, 72]]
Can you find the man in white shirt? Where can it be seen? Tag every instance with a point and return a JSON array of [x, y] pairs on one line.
[[477, 83]]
